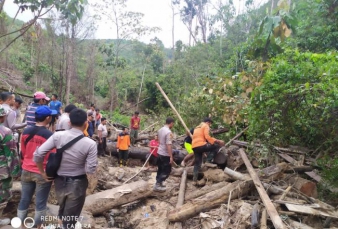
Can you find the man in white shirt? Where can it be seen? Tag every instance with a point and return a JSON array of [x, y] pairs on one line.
[[64, 121], [102, 133]]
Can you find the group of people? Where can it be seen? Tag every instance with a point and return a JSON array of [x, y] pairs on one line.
[[198, 142], [79, 153], [37, 141]]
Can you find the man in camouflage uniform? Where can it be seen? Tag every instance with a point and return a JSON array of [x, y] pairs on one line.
[[9, 164]]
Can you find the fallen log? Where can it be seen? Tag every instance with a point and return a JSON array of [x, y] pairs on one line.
[[288, 150], [236, 175], [307, 187], [106, 200], [312, 210], [142, 152], [219, 131], [216, 175], [206, 189], [274, 216], [299, 169], [180, 199], [210, 200]]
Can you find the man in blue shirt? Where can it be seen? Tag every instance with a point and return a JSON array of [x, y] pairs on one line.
[[55, 105]]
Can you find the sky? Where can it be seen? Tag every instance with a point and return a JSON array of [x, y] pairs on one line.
[[157, 13]]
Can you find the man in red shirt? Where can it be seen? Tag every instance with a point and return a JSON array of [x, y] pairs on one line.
[[134, 127], [31, 179], [153, 144]]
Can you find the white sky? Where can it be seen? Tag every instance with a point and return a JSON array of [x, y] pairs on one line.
[[156, 13]]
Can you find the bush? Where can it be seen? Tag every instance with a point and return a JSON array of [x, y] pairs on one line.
[[297, 102]]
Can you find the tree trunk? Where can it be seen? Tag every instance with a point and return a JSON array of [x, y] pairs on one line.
[[307, 187], [139, 95], [210, 200], [141, 152], [106, 200], [70, 67], [202, 191]]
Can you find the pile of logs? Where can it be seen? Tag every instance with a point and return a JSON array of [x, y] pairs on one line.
[[238, 195]]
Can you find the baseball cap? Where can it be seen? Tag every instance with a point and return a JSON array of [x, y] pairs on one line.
[[44, 111], [40, 95], [3, 111], [90, 113], [208, 120]]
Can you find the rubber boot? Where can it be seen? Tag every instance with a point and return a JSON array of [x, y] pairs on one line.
[[3, 221], [194, 179]]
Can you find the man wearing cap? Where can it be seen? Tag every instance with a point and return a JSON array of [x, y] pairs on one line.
[[78, 162], [31, 180], [9, 164], [203, 143], [40, 99]]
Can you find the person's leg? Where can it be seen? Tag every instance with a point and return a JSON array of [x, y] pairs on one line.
[[136, 134], [74, 202], [198, 152], [125, 157], [99, 148], [159, 169], [5, 195], [166, 170], [212, 151], [121, 157], [42, 192], [104, 146], [61, 195], [28, 189]]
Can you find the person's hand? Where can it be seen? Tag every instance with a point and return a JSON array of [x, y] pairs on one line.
[[48, 179], [171, 160], [100, 140], [117, 150]]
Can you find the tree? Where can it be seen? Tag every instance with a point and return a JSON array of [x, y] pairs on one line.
[[127, 26], [71, 10]]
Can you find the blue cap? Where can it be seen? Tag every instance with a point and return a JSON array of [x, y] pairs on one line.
[[44, 111]]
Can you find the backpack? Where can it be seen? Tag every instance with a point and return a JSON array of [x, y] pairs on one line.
[[54, 159]]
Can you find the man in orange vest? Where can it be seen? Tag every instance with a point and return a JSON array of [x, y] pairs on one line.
[[123, 144]]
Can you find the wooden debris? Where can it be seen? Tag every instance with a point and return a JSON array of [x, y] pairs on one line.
[[297, 225], [288, 158], [236, 175], [275, 218], [180, 200], [106, 200], [314, 176], [210, 200], [264, 220], [307, 187], [312, 210], [255, 216], [285, 192]]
